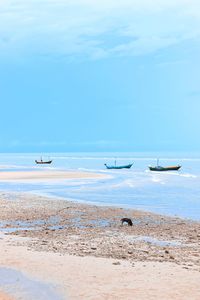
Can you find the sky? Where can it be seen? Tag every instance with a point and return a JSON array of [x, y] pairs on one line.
[[99, 75]]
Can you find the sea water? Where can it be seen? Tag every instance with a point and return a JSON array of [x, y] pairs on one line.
[[175, 193]]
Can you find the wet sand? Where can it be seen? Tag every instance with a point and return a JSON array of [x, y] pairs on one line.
[[86, 252]]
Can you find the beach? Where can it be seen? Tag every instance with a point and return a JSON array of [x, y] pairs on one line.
[[99, 150], [75, 250]]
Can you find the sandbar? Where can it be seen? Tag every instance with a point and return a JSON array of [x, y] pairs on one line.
[[44, 175]]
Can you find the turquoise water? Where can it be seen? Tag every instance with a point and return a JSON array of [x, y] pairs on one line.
[[170, 193]]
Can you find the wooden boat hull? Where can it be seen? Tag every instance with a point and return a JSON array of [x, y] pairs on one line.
[[43, 162], [118, 167], [161, 169]]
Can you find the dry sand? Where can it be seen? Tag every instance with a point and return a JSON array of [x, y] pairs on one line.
[[101, 278], [88, 254]]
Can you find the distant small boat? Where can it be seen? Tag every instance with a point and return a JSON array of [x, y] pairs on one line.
[[169, 168], [160, 168], [119, 167], [43, 162]]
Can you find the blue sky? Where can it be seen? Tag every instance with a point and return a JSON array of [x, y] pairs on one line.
[[87, 75]]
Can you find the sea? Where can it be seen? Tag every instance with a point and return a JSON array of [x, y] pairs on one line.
[[173, 193]]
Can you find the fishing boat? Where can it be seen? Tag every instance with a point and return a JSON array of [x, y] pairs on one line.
[[43, 162], [167, 168], [118, 167]]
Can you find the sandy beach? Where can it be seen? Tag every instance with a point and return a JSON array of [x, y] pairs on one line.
[[86, 277], [79, 251], [59, 249]]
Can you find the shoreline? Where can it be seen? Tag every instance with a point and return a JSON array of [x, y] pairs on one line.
[[108, 205], [88, 244], [57, 176], [87, 187]]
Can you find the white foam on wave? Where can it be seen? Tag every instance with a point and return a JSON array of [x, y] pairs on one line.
[[130, 183], [87, 170], [187, 175], [157, 179], [14, 167], [123, 184]]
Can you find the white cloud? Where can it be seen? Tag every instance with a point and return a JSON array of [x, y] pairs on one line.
[[81, 27]]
